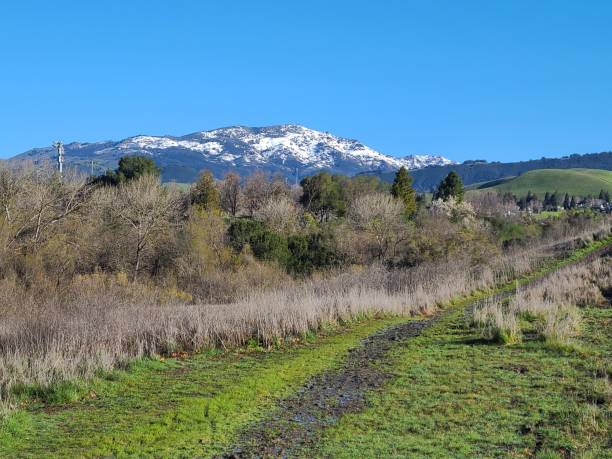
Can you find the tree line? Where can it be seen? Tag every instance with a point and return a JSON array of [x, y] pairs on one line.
[[219, 238], [555, 200]]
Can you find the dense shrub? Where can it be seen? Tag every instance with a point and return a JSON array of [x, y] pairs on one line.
[[309, 253], [265, 244], [299, 254], [512, 231]]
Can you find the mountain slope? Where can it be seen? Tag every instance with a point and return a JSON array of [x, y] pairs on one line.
[[579, 182], [471, 172], [284, 149]]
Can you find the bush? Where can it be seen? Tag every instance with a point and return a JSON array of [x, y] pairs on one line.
[[299, 254], [513, 231], [265, 244], [308, 253]]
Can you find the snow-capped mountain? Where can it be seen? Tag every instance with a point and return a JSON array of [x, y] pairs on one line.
[[285, 149], [421, 161]]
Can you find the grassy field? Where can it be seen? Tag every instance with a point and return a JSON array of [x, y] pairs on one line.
[[579, 182], [458, 396], [451, 395], [173, 407]]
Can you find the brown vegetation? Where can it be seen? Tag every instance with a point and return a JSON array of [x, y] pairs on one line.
[[552, 306], [92, 275]]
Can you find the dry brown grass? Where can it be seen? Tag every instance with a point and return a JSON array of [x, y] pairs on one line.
[[101, 321], [551, 305], [498, 321]]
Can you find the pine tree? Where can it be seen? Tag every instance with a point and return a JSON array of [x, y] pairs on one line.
[[546, 200], [129, 168], [554, 201], [573, 203], [451, 186], [402, 190], [566, 201]]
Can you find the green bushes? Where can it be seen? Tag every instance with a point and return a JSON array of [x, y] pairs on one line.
[[265, 244], [299, 254], [129, 168], [310, 252]]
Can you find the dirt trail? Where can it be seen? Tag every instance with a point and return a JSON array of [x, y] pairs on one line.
[[328, 396]]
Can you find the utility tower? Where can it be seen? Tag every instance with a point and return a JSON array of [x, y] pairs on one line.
[[59, 147]]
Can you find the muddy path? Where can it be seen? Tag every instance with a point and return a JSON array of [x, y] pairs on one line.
[[325, 398]]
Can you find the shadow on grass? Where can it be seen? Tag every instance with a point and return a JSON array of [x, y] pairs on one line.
[[475, 341]]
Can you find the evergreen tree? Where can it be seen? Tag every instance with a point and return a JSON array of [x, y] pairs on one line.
[[566, 201], [573, 203], [204, 193], [601, 194], [130, 167], [322, 195], [546, 200], [554, 201], [402, 190], [451, 186]]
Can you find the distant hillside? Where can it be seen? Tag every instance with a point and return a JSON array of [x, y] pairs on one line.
[[579, 182], [472, 172], [288, 150]]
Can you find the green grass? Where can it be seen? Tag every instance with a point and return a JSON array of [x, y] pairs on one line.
[[173, 408], [579, 182], [456, 395], [197, 406]]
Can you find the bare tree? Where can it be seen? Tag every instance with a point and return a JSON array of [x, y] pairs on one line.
[[280, 213], [259, 188], [231, 194], [490, 204], [33, 201], [146, 208], [380, 216]]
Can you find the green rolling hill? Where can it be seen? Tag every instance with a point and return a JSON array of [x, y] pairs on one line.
[[579, 182]]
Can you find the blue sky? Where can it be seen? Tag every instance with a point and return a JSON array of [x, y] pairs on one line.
[[501, 80]]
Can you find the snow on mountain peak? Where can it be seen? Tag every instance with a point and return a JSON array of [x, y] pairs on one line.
[[282, 149]]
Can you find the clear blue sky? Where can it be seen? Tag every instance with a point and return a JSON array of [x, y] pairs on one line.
[[501, 80]]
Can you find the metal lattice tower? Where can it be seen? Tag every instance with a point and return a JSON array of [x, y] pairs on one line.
[[59, 147]]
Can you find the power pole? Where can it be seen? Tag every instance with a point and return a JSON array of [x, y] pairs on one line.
[[59, 147]]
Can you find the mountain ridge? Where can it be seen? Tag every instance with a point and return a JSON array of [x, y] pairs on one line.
[[287, 149]]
